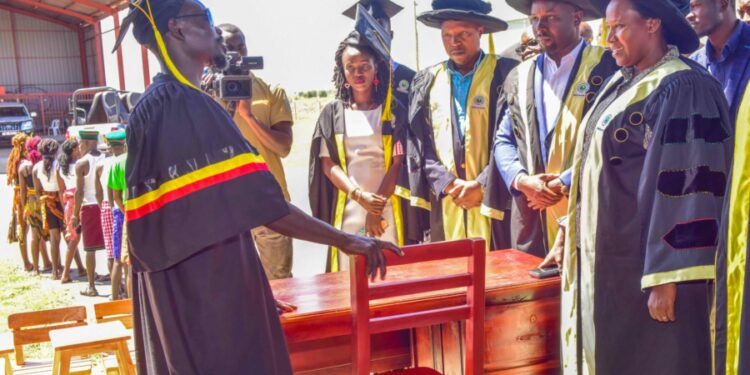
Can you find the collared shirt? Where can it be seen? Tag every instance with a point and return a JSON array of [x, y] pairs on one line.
[[461, 84], [555, 82], [555, 78], [731, 68]]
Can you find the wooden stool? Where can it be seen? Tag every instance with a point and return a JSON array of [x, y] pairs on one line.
[[6, 348], [91, 339]]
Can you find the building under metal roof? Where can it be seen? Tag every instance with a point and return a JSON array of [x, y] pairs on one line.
[[50, 48]]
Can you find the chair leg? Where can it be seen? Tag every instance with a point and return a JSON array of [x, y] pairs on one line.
[[56, 363], [19, 356], [8, 366], [65, 362], [124, 361]]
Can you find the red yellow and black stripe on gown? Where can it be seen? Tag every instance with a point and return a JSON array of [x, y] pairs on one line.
[[201, 300]]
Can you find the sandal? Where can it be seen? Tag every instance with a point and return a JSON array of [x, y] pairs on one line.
[[90, 292]]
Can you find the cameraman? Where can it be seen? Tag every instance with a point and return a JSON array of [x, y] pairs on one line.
[[266, 122]]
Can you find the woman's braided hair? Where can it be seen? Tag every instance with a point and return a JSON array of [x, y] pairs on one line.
[[68, 147], [16, 156], [344, 93], [48, 148]]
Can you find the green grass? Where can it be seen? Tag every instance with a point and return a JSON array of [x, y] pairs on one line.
[[20, 292]]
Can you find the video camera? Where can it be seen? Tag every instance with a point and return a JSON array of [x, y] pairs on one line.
[[234, 82]]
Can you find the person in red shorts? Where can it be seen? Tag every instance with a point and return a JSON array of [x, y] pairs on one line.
[[87, 212]]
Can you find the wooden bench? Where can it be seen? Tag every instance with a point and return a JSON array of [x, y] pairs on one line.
[[120, 310], [111, 337], [34, 327], [6, 348]]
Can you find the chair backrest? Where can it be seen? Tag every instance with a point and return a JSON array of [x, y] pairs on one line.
[[472, 311], [120, 310], [33, 327], [98, 112]]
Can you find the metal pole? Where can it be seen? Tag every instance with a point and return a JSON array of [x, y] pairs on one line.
[[84, 60], [416, 33], [99, 54], [15, 50], [120, 67]]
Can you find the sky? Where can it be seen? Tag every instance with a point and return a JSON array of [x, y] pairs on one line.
[[298, 39]]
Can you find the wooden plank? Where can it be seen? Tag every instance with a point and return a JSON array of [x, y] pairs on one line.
[[405, 288], [429, 317], [70, 338], [46, 317], [6, 343]]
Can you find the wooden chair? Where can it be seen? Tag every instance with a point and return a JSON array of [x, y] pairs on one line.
[[33, 327], [6, 349], [120, 310], [472, 311], [111, 337]]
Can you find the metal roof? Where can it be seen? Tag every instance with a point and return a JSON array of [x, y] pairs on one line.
[[69, 12]]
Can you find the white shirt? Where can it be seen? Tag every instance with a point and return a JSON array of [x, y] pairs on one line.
[[555, 81]]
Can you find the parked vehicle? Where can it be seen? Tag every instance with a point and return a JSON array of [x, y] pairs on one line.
[[101, 108], [15, 118]]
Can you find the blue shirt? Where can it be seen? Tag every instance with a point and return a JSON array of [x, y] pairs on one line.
[[461, 84], [732, 67]]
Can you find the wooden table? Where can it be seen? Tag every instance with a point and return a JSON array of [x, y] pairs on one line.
[[521, 321], [91, 339], [6, 349]]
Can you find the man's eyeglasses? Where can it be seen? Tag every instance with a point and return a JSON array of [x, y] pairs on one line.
[[205, 13]]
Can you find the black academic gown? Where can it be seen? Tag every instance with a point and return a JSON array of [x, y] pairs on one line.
[[323, 194], [428, 177], [527, 226], [201, 301], [402, 78], [646, 200]]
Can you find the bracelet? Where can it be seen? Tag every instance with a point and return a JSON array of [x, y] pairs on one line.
[[358, 192]]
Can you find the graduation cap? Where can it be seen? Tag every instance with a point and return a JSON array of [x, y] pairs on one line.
[[374, 35], [377, 8]]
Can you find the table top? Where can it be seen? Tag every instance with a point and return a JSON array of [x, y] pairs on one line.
[[88, 335], [6, 343], [507, 281]]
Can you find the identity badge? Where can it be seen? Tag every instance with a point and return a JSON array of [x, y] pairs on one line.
[[479, 102]]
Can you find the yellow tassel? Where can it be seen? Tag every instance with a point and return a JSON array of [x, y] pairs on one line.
[[492, 44], [163, 48], [387, 112]]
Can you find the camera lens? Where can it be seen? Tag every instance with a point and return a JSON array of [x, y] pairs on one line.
[[233, 87]]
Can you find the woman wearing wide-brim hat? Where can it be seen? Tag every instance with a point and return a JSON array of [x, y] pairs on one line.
[[650, 168]]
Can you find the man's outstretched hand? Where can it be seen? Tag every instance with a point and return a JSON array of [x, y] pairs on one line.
[[284, 307], [372, 249], [300, 225]]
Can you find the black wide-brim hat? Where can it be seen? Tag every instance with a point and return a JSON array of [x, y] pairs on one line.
[[591, 11], [677, 30], [475, 11]]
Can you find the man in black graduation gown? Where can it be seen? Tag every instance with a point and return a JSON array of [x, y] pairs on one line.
[[202, 303], [382, 11]]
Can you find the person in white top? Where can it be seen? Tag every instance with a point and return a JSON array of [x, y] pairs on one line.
[[32, 207], [66, 181], [363, 174], [45, 183], [87, 212]]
